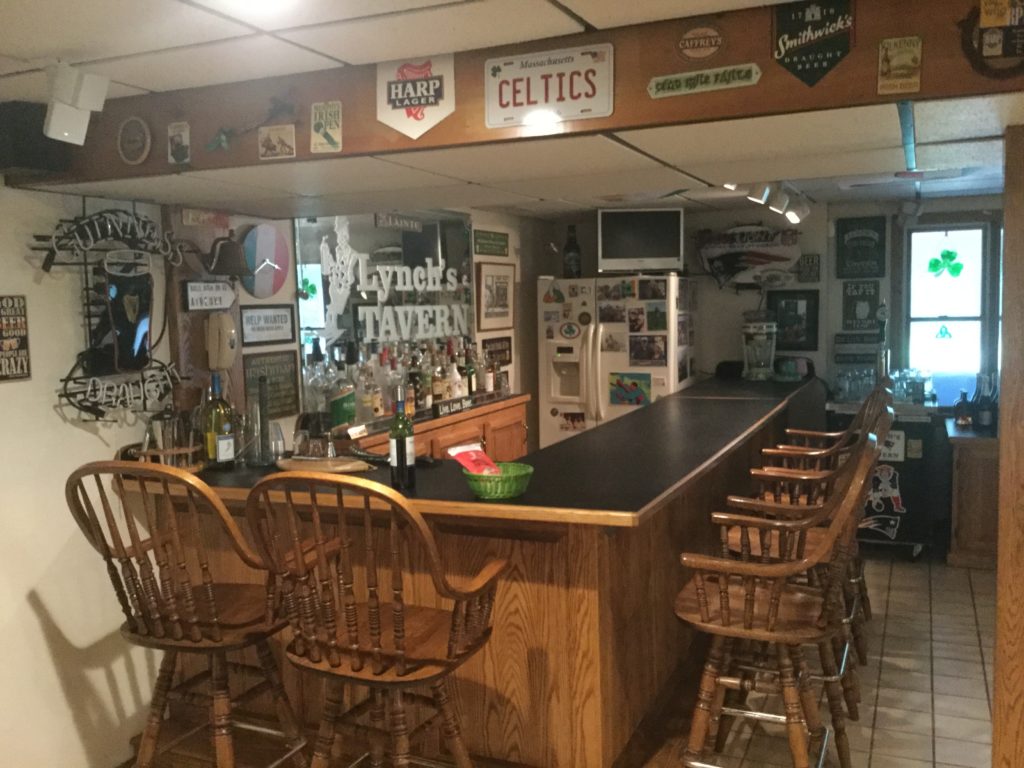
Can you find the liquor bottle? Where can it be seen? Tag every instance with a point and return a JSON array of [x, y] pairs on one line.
[[395, 380], [314, 380], [983, 416], [439, 385], [489, 373], [470, 375], [218, 428], [425, 396], [962, 410], [571, 258], [401, 447]]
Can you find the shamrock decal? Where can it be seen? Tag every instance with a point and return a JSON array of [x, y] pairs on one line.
[[495, 70], [946, 263], [308, 288]]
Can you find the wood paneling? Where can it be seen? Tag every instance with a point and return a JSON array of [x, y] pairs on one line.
[[1008, 713], [641, 52], [975, 501]]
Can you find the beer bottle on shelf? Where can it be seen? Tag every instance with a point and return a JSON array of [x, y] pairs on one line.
[[571, 258], [401, 447]]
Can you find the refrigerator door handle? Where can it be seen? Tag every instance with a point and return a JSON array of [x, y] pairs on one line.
[[584, 358], [596, 390]]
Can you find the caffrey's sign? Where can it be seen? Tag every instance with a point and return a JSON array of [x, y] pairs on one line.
[[415, 95], [812, 37], [539, 89]]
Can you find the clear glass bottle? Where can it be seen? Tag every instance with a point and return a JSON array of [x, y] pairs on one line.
[[219, 428], [401, 447], [489, 373], [439, 386]]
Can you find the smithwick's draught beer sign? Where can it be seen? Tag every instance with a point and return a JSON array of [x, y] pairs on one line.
[[415, 95], [812, 37]]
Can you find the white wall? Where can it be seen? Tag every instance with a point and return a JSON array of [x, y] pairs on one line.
[[74, 690]]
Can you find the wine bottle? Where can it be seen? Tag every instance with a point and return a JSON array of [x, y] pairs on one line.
[[984, 413], [571, 258], [470, 374], [218, 428], [401, 447]]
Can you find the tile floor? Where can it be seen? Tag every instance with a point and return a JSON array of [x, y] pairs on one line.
[[927, 691]]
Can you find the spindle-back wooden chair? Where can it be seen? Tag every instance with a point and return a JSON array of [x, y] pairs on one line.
[[145, 521], [345, 596], [745, 600]]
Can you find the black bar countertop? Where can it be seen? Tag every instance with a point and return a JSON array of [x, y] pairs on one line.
[[609, 475]]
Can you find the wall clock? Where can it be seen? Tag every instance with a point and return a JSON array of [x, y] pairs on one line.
[[268, 256], [133, 141]]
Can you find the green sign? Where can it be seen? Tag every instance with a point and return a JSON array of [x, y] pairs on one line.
[[686, 83], [490, 243]]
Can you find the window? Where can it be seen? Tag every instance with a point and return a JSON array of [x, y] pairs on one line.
[[953, 317]]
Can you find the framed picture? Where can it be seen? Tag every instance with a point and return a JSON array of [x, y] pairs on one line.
[[268, 324], [495, 296], [860, 247], [282, 372], [796, 313]]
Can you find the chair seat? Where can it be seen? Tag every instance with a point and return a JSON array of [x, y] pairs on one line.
[[241, 616], [427, 631], [797, 623]]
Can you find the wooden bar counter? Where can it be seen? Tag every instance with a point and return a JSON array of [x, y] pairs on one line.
[[584, 638]]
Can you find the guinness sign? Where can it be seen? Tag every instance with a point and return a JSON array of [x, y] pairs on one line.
[[813, 36]]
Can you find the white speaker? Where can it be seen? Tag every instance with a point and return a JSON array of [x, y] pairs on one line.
[[66, 123], [81, 90]]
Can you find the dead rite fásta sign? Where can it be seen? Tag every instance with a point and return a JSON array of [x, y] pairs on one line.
[[812, 37], [14, 360]]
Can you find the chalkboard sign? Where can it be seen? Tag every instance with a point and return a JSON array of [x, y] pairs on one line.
[[860, 305], [14, 360], [499, 349], [282, 372], [860, 247]]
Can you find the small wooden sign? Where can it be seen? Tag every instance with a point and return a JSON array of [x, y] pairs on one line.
[[498, 349], [14, 359], [486, 243], [208, 294], [282, 372]]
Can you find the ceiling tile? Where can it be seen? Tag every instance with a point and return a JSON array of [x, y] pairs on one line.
[[769, 168], [975, 118], [646, 184], [540, 208], [9, 64], [32, 86], [821, 132], [446, 196], [312, 11], [459, 27], [184, 188], [82, 31], [248, 58], [529, 160], [615, 13], [963, 154], [314, 178]]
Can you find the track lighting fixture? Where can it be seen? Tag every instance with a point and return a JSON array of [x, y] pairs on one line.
[[759, 193], [779, 201], [798, 212]]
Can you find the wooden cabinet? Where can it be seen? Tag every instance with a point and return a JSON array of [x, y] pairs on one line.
[[975, 499], [500, 426]]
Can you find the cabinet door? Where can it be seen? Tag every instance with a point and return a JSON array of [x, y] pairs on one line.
[[976, 501], [505, 432], [443, 439]]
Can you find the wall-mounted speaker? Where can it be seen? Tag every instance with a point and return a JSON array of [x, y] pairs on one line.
[[66, 123], [23, 147]]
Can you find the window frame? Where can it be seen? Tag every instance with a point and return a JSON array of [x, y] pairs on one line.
[[990, 226]]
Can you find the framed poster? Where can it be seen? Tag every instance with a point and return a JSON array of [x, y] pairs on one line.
[[860, 247], [860, 305], [796, 313], [499, 349], [495, 296], [282, 372], [268, 324]]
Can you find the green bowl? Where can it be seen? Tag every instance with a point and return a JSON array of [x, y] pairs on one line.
[[510, 483]]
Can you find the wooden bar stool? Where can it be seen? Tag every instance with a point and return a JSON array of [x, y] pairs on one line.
[[144, 520], [773, 605], [344, 597]]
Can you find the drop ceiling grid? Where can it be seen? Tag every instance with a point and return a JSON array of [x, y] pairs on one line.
[[311, 12], [32, 86], [616, 13], [184, 188], [315, 178], [644, 184], [40, 31], [447, 29], [248, 58]]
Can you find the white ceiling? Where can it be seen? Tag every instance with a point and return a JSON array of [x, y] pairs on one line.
[[160, 45]]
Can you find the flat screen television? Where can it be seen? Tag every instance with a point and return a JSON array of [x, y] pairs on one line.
[[639, 240]]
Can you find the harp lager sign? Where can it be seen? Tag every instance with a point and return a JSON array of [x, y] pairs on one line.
[[415, 95], [812, 37]]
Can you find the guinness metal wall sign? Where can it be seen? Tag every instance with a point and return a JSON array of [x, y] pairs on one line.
[[813, 36], [415, 95]]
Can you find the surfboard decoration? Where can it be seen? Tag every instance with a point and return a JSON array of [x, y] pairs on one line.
[[266, 252], [748, 254]]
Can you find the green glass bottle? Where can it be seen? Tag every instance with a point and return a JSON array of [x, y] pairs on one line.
[[218, 428], [401, 446]]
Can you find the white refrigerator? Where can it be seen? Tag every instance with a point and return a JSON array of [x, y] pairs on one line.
[[608, 345]]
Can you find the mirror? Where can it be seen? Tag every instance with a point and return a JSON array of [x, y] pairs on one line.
[[385, 277]]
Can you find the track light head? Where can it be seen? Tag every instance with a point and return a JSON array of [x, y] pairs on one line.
[[759, 193], [779, 202], [798, 212]]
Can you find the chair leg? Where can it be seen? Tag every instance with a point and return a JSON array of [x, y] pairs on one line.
[[862, 587], [147, 745], [328, 724], [834, 692], [705, 698], [795, 727], [220, 711], [399, 730], [808, 699], [450, 725], [850, 680], [377, 721], [714, 722], [285, 714]]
